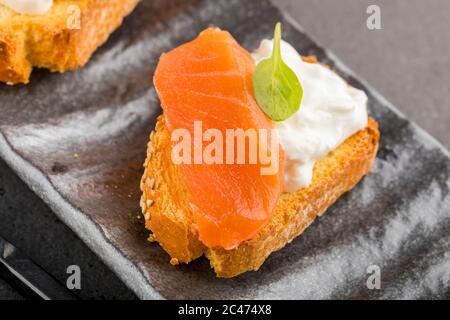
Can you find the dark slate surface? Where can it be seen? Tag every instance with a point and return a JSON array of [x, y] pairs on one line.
[[79, 139], [8, 293], [31, 225]]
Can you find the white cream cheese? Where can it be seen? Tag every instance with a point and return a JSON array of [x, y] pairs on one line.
[[29, 6], [330, 112]]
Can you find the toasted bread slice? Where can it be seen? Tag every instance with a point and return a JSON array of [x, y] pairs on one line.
[[56, 40], [168, 216]]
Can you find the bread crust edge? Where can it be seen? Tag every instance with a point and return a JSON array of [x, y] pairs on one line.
[[48, 42], [168, 216]]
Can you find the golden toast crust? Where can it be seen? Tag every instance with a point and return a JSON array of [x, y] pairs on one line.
[[52, 40], [168, 216]]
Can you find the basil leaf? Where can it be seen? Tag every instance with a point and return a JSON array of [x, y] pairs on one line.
[[277, 88]]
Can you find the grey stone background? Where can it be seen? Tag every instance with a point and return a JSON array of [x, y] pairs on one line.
[[407, 61]]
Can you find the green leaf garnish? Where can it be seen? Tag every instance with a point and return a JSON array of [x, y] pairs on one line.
[[277, 88]]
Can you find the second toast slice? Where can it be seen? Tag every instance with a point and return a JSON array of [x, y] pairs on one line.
[[60, 40]]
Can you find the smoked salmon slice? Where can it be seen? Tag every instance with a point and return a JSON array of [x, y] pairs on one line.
[[209, 81]]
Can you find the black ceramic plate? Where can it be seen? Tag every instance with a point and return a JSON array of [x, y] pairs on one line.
[[79, 140]]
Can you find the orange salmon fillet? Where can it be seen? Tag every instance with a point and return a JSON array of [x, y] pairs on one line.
[[210, 80]]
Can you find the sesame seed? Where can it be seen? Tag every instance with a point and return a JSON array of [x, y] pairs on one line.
[[149, 203], [147, 215], [174, 261], [150, 182], [151, 238], [143, 206]]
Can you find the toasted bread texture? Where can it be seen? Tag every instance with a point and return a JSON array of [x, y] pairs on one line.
[[62, 39], [168, 216]]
